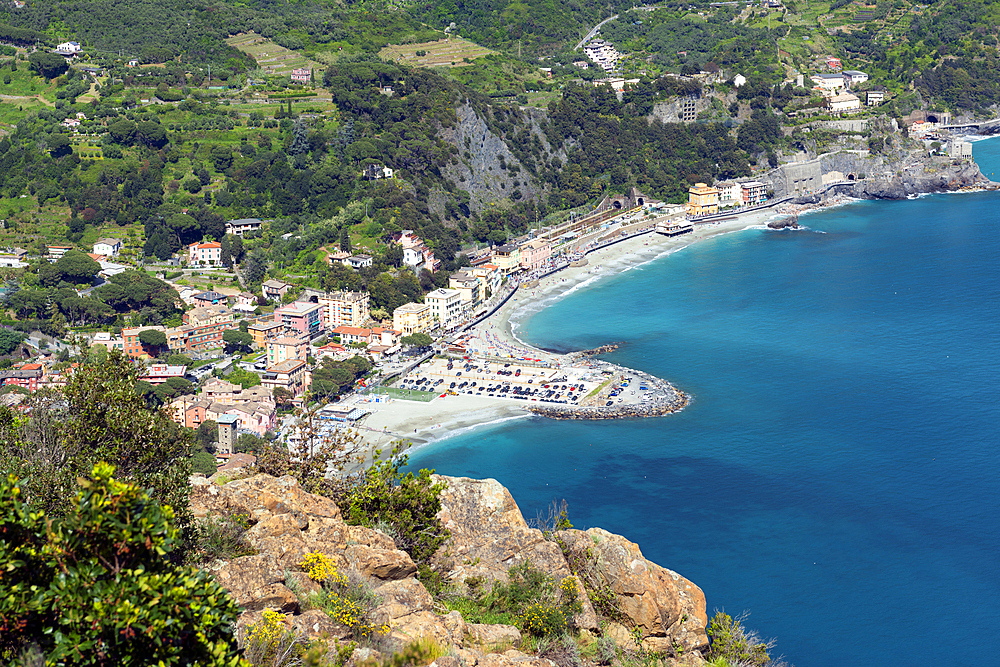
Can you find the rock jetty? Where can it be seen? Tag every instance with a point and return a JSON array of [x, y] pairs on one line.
[[603, 349], [488, 535], [662, 399]]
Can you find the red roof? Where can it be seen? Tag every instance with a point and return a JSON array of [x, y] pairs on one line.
[[352, 331], [210, 244]]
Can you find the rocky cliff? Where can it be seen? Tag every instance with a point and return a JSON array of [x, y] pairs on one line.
[[488, 536]]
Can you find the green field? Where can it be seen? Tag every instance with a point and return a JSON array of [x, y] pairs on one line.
[[405, 394], [451, 52], [272, 58]]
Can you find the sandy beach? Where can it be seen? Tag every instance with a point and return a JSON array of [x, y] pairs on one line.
[[444, 416]]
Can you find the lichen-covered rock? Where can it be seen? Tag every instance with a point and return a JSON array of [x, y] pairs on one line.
[[488, 537], [492, 637], [245, 578], [384, 564], [258, 496], [272, 596], [422, 625], [586, 618], [369, 537], [657, 601], [621, 636], [315, 624], [488, 533], [402, 598], [513, 657]]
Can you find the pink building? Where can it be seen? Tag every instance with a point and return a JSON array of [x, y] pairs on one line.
[[301, 75], [301, 318], [207, 253], [535, 253]]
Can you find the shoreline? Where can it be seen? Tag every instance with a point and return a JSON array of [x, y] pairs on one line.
[[444, 417], [425, 423]]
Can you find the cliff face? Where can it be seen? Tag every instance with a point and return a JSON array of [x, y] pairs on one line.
[[487, 169], [902, 177], [662, 609], [929, 176]]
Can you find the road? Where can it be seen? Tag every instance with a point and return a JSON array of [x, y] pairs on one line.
[[593, 31]]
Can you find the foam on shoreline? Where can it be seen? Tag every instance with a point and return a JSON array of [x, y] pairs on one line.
[[425, 424]]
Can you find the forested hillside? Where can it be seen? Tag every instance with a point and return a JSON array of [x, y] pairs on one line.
[[479, 150]]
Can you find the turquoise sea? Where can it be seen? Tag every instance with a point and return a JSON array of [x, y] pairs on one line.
[[837, 472]]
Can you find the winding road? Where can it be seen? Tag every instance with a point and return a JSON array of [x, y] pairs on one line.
[[593, 31]]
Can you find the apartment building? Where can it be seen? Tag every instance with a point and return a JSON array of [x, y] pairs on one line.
[[301, 318], [344, 309], [411, 318], [285, 348], [445, 304], [702, 199]]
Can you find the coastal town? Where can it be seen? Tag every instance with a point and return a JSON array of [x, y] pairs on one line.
[[374, 316], [249, 363]]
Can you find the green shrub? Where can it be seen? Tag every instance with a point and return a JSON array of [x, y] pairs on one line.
[[204, 463], [409, 503], [530, 600], [271, 643], [98, 588], [345, 597], [99, 416], [732, 642]]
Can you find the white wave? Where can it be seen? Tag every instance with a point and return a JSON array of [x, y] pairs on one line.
[[445, 434]]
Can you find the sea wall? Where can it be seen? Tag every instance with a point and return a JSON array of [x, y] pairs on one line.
[[488, 536]]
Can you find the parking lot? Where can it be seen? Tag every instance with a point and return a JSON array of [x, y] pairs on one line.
[[502, 380]]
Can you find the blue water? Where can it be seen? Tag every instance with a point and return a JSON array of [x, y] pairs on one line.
[[837, 472]]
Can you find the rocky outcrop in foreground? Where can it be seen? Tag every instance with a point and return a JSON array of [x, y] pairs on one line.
[[660, 608]]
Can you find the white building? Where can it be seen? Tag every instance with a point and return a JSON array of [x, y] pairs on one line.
[[359, 261], [350, 309], [843, 103], [853, 76], [875, 97], [243, 225], [829, 82], [603, 54], [446, 305], [107, 247], [739, 80], [730, 194], [69, 49], [958, 148]]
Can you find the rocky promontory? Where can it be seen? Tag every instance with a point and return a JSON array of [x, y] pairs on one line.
[[927, 177], [656, 609]]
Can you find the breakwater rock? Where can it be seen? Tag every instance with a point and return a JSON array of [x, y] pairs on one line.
[[657, 409], [661, 398], [792, 223], [659, 608], [603, 349]]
